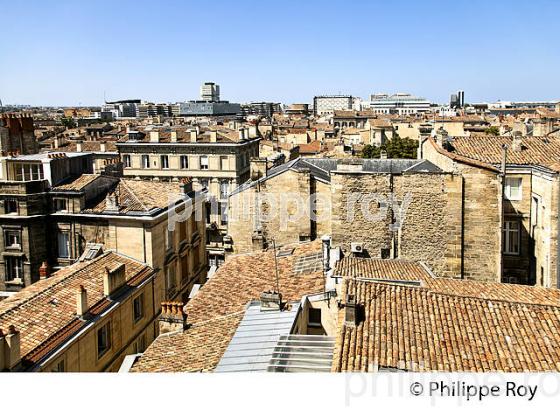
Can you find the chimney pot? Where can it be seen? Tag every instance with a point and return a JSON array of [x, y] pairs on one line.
[[81, 301], [44, 270], [350, 314]]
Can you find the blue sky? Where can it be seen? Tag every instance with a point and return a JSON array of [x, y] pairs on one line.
[[71, 52]]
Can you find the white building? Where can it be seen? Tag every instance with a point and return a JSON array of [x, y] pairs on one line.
[[210, 92], [400, 103], [327, 104]]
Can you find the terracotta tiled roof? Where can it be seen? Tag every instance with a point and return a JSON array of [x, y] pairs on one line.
[[77, 184], [45, 312], [217, 309], [141, 196], [488, 149], [415, 328], [403, 270], [313, 147]]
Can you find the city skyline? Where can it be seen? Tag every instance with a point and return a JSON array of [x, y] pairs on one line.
[[70, 56]]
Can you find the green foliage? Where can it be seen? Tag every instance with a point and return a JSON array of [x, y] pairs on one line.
[[396, 147], [68, 122], [493, 130]]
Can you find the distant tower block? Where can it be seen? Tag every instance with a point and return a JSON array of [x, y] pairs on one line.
[[210, 92]]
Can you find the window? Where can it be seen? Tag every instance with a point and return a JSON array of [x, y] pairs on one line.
[[103, 339], [164, 161], [203, 162], [224, 162], [14, 269], [60, 205], [223, 212], [12, 239], [10, 206], [168, 238], [184, 161], [314, 319], [60, 367], [126, 160], [145, 161], [512, 189], [170, 280], [511, 237], [138, 308], [224, 189], [63, 244], [140, 344]]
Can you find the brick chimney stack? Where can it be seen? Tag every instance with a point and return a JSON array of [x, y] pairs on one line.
[[44, 270]]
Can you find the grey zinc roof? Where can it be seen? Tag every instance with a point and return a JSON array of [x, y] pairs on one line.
[[256, 338]]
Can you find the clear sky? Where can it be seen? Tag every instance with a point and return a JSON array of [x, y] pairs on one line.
[[71, 52]]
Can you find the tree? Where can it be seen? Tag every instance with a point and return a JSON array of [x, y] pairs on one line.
[[493, 130], [396, 147], [68, 122]]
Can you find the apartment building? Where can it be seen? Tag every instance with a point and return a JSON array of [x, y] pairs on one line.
[[216, 158], [520, 201], [399, 103], [86, 318], [65, 211]]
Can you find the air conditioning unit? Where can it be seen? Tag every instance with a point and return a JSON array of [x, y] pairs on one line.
[[357, 247]]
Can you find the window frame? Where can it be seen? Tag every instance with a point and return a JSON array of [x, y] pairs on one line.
[[138, 303], [127, 161], [68, 245], [145, 159], [16, 233], [508, 247], [11, 262], [202, 159], [15, 204], [507, 189], [164, 161], [108, 336], [184, 161]]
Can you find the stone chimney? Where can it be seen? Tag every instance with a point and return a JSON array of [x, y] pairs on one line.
[[44, 270], [56, 143], [213, 136], [10, 349], [111, 203], [271, 301], [194, 135], [103, 146], [350, 311], [79, 146], [154, 136], [516, 145], [441, 137], [173, 136], [113, 279], [81, 301], [173, 317], [557, 108], [241, 134]]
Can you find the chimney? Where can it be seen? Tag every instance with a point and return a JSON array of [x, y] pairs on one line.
[[55, 142], [383, 154], [44, 270], [516, 145], [11, 347], [557, 108], [441, 137], [241, 134], [271, 301], [173, 136], [213, 136], [173, 317], [81, 301], [113, 279], [154, 136], [194, 135], [102, 146], [79, 146], [111, 203], [350, 311]]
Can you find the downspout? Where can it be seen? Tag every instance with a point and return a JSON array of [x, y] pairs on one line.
[[503, 175]]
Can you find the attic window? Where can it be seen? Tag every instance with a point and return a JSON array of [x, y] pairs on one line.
[[309, 263]]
